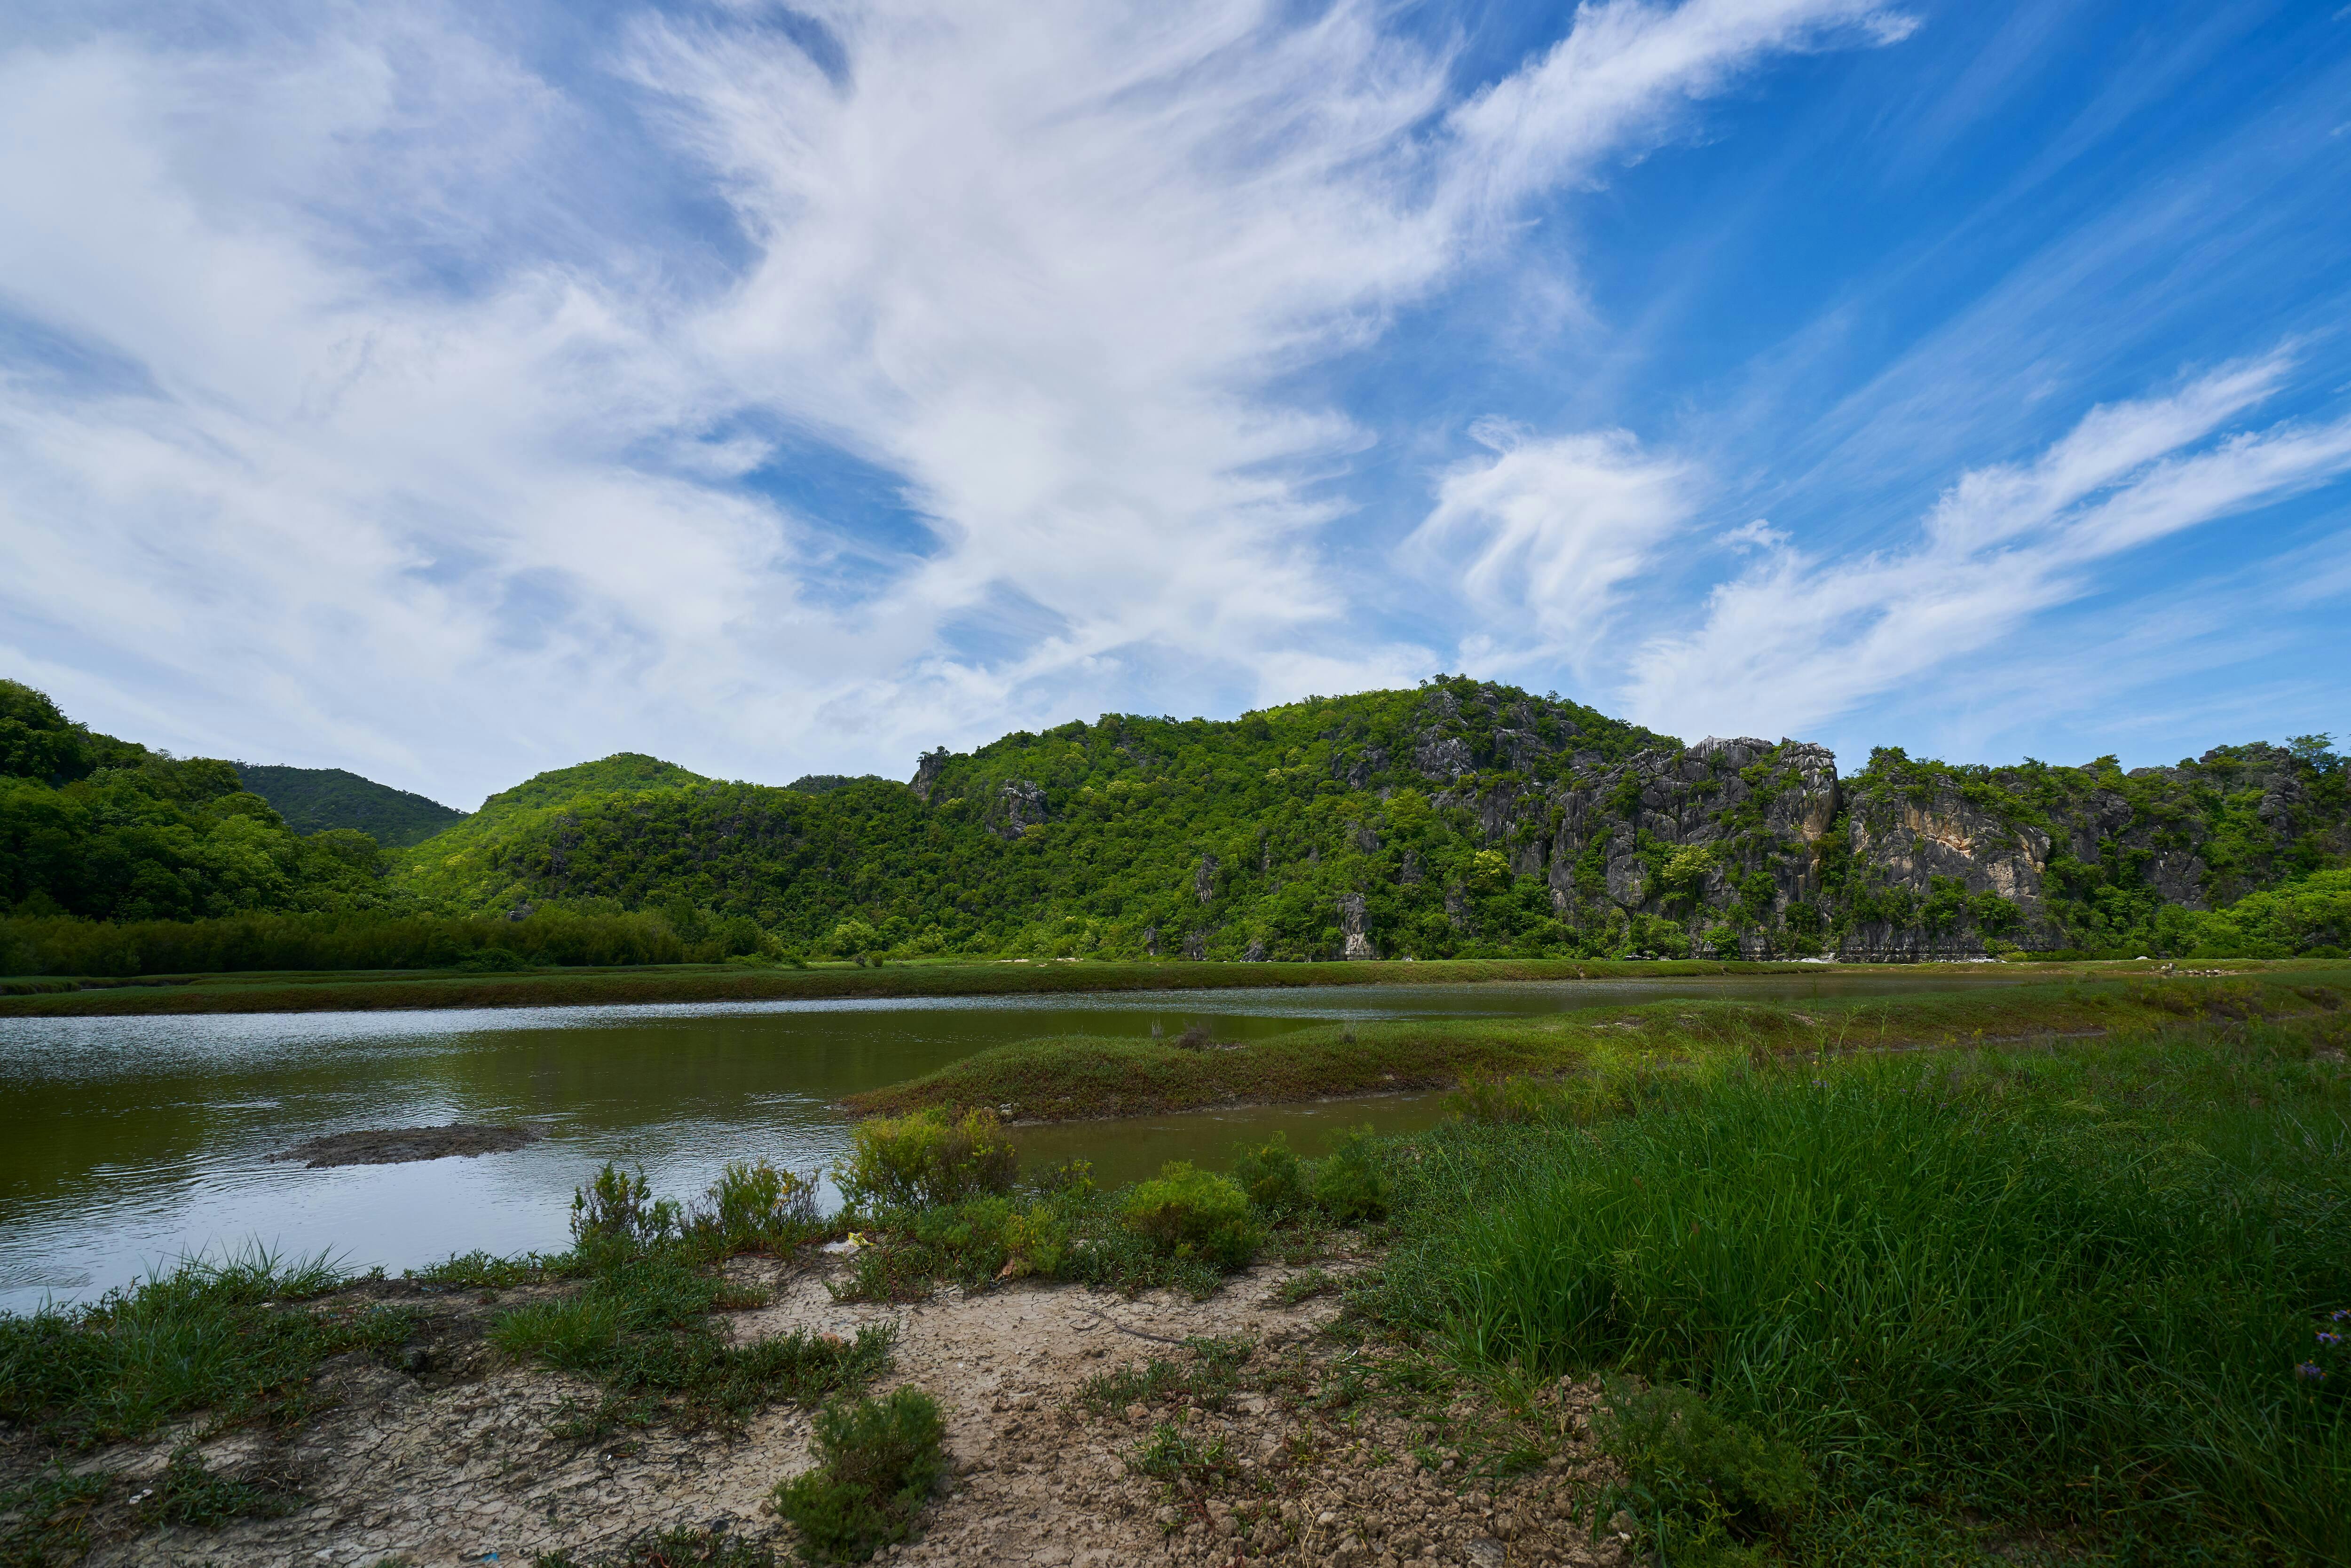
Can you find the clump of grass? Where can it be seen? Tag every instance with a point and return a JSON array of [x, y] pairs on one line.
[[1190, 1213], [1349, 1185], [641, 1326], [479, 1270], [1186, 1464], [684, 1547], [877, 1463], [1210, 1378], [1273, 1178], [1304, 1287], [228, 1336], [2068, 1288], [189, 1493], [45, 1523]]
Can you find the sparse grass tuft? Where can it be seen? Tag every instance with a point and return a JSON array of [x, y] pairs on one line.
[[188, 1492]]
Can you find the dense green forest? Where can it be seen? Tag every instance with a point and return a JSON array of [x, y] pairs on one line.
[[1461, 819], [311, 799]]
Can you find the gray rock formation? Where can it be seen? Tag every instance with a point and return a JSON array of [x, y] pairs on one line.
[[1358, 945]]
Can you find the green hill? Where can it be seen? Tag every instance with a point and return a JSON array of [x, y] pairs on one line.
[[312, 800], [1463, 818]]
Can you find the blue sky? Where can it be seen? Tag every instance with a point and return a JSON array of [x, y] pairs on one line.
[[453, 392]]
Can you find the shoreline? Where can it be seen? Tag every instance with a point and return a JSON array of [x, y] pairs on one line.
[[371, 991]]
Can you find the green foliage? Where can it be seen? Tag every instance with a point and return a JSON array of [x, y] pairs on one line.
[[218, 1335], [926, 1160], [1194, 1213], [356, 939], [1272, 1176], [684, 1547], [1349, 1185], [1705, 1489], [617, 1209], [2067, 1288], [878, 1461], [321, 799], [188, 1492], [45, 1522], [755, 1208]]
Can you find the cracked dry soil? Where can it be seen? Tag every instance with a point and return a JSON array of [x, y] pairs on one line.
[[1305, 1454]]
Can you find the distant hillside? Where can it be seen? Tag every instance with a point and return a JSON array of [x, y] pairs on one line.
[[1463, 818], [108, 830], [314, 799], [826, 783]]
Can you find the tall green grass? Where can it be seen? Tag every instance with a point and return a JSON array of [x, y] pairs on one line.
[[2067, 1287]]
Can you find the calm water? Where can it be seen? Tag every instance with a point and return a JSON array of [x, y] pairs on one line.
[[127, 1142]]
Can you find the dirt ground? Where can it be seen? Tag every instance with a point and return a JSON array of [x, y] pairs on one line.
[[449, 1460], [402, 1145]]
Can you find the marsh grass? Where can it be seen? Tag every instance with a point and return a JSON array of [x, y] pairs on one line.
[[2064, 1287], [189, 1493], [232, 1336], [684, 1547], [1607, 1061]]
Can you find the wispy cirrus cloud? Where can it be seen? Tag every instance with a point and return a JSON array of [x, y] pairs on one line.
[[1805, 638]]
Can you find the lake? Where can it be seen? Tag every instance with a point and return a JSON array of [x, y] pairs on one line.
[[127, 1142]]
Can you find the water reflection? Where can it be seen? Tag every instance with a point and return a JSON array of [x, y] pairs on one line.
[[125, 1142]]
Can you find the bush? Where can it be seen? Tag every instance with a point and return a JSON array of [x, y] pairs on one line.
[[1189, 1213], [1272, 1175], [927, 1161], [617, 1210], [1703, 1485], [493, 961], [753, 1206], [877, 1460], [1349, 1185]]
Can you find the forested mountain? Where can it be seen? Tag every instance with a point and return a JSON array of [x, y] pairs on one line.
[[1460, 818], [1463, 818], [312, 800], [108, 830]]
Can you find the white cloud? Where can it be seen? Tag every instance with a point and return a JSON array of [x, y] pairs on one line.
[[1540, 535], [1800, 639], [423, 450]]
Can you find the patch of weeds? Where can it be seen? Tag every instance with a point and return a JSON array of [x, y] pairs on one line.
[[1303, 1288], [877, 1463], [1272, 1176], [190, 1492], [1187, 1464], [1212, 1376], [684, 1547], [479, 1270], [226, 1336], [1704, 1488], [45, 1522], [691, 1379]]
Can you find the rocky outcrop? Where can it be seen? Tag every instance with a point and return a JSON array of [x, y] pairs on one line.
[[1355, 942], [1018, 806], [1203, 881]]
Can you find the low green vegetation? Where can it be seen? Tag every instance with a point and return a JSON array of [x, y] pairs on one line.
[[1903, 1308], [877, 1462], [229, 1337], [1065, 1077], [639, 1322], [684, 1547]]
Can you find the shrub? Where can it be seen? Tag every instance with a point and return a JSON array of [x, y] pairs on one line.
[[619, 1210], [926, 1160], [753, 1207], [877, 1460], [1272, 1175], [493, 961], [1349, 1186], [1703, 1485], [1188, 1213], [1036, 1242]]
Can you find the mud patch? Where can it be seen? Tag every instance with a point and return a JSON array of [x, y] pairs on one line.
[[400, 1145]]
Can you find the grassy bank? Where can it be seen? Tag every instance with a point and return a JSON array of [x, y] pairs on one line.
[[345, 990], [1938, 1308], [1069, 1077]]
